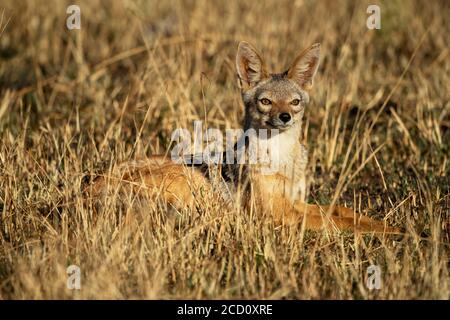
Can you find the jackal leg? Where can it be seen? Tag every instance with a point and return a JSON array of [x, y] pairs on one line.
[[271, 191], [342, 218]]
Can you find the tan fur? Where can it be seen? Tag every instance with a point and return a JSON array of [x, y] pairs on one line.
[[279, 194]]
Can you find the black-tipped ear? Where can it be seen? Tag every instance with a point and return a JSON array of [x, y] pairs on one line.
[[305, 67], [249, 65]]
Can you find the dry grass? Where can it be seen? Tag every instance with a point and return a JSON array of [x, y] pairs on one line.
[[73, 103]]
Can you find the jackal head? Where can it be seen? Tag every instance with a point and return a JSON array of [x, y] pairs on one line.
[[275, 101]]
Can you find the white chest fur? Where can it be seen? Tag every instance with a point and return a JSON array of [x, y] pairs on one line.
[[280, 154]]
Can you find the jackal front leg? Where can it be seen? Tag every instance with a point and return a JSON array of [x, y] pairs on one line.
[[337, 217]]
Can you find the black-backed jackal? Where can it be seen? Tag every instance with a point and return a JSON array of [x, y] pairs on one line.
[[274, 102]]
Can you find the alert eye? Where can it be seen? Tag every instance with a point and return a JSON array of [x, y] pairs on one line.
[[295, 102], [265, 101]]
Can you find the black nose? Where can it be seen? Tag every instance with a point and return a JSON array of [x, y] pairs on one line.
[[285, 117]]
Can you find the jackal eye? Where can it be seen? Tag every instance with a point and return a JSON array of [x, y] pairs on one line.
[[295, 102], [265, 101]]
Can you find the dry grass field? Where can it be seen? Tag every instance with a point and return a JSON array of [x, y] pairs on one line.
[[74, 104]]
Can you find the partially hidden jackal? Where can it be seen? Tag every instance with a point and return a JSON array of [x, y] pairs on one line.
[[272, 101]]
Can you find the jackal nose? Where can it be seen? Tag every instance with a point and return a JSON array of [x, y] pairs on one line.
[[285, 117]]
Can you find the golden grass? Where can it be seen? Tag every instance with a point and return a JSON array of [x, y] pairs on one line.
[[75, 103]]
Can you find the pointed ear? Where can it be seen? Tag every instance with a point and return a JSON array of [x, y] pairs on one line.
[[305, 67], [249, 65]]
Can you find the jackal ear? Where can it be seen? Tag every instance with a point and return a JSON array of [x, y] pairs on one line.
[[249, 65], [305, 67]]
